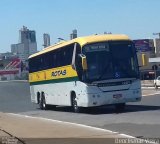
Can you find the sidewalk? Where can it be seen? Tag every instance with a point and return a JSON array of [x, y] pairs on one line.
[[33, 130]]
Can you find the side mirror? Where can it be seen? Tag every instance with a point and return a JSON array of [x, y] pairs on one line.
[[143, 59], [83, 62]]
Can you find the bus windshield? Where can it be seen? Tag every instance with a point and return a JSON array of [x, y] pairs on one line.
[[111, 60]]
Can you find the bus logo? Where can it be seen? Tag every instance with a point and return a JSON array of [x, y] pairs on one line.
[[59, 73], [117, 96]]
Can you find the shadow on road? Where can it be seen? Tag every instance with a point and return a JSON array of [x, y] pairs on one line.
[[108, 109]]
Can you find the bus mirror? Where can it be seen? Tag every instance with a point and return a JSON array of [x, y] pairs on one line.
[[144, 60], [84, 63]]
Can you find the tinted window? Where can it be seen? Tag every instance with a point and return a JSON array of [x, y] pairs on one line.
[[111, 60], [52, 59]]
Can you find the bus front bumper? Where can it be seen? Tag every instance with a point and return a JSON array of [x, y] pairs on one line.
[[107, 98]]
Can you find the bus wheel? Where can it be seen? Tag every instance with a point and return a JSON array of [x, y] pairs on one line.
[[75, 107], [38, 98], [42, 103], [120, 107]]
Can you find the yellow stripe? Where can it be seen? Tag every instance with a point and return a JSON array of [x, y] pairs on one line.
[[53, 74]]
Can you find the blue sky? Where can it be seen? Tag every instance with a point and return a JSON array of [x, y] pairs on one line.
[[136, 18]]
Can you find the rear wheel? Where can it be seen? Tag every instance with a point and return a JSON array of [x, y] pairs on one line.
[[42, 103]]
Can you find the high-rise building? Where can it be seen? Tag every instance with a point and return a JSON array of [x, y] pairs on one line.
[[73, 35], [46, 39], [26, 35], [27, 44]]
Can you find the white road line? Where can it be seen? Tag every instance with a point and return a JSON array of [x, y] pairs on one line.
[[70, 123], [84, 126], [6, 81], [151, 94]]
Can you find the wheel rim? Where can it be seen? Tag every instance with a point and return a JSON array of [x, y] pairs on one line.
[[44, 105], [75, 104]]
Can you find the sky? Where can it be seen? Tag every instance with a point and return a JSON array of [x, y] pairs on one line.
[[136, 18]]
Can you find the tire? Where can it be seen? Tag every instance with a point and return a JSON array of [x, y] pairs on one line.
[[75, 106], [120, 107], [155, 85], [38, 98], [42, 103]]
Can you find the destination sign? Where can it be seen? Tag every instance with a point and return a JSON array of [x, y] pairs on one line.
[[97, 47]]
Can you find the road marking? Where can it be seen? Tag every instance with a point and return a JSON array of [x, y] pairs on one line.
[[147, 88], [24, 81], [82, 125], [70, 123], [151, 94]]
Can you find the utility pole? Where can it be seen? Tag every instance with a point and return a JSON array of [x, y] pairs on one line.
[[157, 34]]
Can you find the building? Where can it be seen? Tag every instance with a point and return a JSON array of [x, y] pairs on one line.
[[10, 68], [145, 47], [46, 39], [73, 35], [27, 44], [7, 55]]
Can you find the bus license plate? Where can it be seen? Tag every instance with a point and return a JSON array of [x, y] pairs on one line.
[[117, 96]]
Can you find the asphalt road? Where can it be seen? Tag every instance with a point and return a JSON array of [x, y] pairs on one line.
[[139, 119]]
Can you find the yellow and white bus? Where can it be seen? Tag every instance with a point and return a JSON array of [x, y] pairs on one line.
[[86, 72]]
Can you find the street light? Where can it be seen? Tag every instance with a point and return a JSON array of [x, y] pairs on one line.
[[61, 39]]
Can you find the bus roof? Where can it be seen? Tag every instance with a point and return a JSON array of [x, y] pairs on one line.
[[83, 41]]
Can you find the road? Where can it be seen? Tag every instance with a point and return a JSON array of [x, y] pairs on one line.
[[139, 119]]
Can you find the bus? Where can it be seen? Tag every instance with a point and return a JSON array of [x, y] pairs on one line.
[[88, 71]]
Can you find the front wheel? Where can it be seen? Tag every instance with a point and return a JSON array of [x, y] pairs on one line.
[[75, 106]]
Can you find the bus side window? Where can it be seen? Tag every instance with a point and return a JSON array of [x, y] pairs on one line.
[[38, 63], [68, 54], [62, 57], [54, 58], [59, 58], [78, 62], [78, 51]]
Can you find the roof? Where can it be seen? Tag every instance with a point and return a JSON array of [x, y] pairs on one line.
[[83, 41]]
